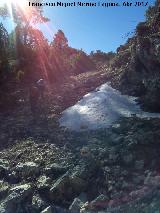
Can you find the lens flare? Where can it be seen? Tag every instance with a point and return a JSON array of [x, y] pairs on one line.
[[21, 3]]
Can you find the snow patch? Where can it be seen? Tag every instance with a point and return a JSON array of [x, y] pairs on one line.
[[100, 108]]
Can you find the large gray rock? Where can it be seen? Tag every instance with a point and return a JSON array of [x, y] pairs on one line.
[[16, 197], [27, 169], [61, 188], [23, 191], [74, 181], [79, 178], [55, 170], [76, 205]]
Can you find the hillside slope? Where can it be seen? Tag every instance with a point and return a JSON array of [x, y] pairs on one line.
[[136, 68]]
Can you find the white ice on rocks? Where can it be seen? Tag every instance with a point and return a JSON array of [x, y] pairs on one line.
[[100, 108]]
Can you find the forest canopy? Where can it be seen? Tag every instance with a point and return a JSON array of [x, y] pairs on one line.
[[28, 55]]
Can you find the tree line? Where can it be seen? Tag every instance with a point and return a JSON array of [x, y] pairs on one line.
[[26, 54]]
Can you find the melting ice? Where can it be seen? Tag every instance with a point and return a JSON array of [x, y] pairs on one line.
[[100, 108]]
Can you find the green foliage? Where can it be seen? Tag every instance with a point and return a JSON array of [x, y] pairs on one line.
[[100, 56], [81, 62], [27, 45], [33, 55], [60, 41], [65, 60]]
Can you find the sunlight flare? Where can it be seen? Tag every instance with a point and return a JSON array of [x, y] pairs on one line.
[[20, 3]]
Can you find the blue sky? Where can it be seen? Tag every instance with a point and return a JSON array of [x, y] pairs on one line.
[[92, 28]]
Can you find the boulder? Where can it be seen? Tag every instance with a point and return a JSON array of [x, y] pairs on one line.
[[23, 191], [27, 169], [55, 170], [61, 189], [16, 197], [78, 178], [76, 205]]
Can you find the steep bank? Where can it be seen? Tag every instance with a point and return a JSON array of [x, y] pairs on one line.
[[135, 70]]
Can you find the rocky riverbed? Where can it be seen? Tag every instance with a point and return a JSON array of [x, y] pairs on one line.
[[105, 170]]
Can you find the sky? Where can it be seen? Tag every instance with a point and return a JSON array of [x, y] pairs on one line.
[[91, 28]]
